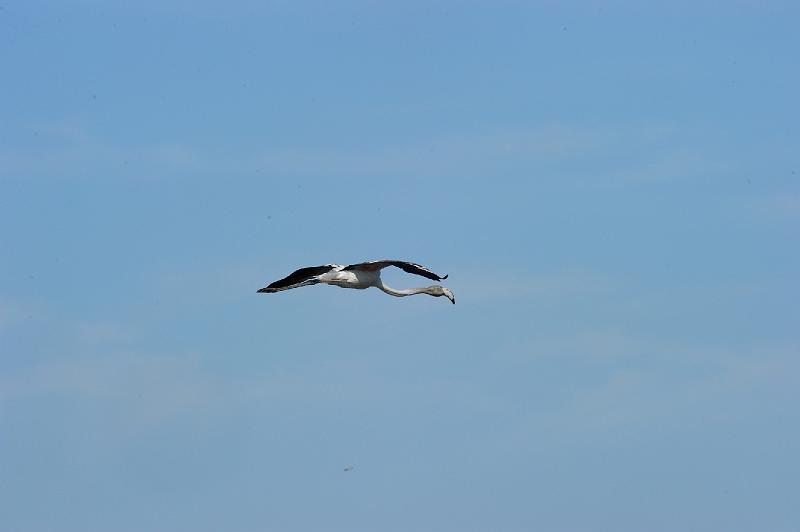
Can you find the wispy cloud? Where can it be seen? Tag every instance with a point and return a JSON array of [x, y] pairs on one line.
[[677, 164], [501, 284], [71, 147], [12, 313], [148, 389], [436, 155], [686, 386], [784, 206]]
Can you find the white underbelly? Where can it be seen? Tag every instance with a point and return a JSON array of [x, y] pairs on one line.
[[350, 279]]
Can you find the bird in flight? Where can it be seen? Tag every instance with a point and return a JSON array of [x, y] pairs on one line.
[[362, 275]]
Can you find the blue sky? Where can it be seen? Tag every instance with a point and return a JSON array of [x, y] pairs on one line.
[[611, 186]]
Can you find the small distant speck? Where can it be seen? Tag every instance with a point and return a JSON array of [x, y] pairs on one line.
[[94, 96], [564, 28], [269, 217], [748, 180], [348, 467]]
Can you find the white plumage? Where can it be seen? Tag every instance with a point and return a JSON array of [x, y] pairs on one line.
[[360, 276]]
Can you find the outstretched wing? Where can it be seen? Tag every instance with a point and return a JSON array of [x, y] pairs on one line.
[[409, 267], [298, 278]]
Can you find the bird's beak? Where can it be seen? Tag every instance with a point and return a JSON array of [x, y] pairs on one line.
[[451, 297]]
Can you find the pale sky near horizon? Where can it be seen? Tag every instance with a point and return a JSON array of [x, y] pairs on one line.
[[612, 188]]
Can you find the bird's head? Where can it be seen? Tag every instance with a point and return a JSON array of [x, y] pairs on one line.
[[439, 290]]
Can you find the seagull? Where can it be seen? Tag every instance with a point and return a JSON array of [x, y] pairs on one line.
[[360, 276]]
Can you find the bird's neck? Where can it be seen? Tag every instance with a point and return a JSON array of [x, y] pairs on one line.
[[402, 293]]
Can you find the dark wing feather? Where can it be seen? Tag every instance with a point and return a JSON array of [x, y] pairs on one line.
[[297, 277], [408, 267]]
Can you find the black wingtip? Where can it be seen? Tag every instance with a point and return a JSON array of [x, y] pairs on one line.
[[263, 291], [443, 278]]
